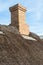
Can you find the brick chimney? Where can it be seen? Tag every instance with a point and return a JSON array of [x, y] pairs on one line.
[[18, 18]]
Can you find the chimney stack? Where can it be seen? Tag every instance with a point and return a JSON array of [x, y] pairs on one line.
[[18, 18]]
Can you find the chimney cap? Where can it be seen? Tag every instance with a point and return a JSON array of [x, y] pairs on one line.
[[16, 7]]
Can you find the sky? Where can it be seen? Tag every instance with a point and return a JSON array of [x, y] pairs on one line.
[[34, 14]]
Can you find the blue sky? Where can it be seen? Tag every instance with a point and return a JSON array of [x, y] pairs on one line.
[[34, 14]]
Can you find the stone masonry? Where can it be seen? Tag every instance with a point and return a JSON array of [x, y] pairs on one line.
[[18, 18]]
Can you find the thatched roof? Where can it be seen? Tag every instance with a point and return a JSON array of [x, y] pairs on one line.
[[16, 50]]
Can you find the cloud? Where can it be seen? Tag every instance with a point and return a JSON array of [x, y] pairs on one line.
[[38, 15], [36, 9], [37, 28]]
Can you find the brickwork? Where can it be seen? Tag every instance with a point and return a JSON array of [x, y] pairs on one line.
[[18, 18]]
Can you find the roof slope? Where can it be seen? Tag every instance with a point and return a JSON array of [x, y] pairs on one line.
[[16, 50]]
